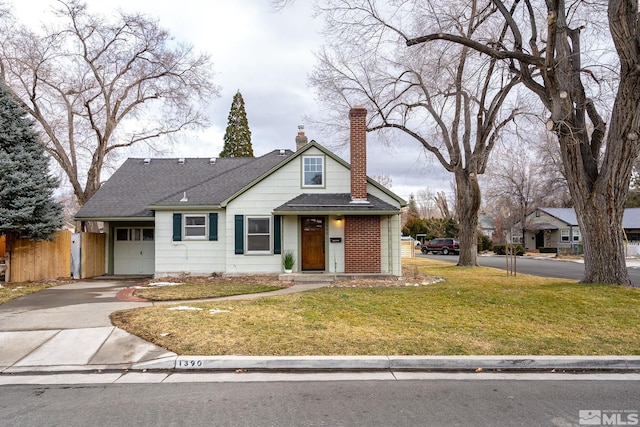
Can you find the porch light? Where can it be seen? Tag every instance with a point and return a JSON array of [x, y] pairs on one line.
[[339, 218]]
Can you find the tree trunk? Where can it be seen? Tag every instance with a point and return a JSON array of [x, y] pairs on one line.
[[604, 256], [467, 208]]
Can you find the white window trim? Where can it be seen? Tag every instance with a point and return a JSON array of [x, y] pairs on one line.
[[247, 234], [185, 227], [565, 235], [324, 167]]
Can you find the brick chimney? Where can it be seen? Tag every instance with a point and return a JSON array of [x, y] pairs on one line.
[[358, 138], [301, 139]]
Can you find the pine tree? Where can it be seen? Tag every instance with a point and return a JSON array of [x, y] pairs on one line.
[[27, 208], [237, 137]]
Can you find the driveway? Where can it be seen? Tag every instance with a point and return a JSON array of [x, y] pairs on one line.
[[68, 327]]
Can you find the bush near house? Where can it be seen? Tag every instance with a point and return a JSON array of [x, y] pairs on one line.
[[484, 243], [500, 249], [548, 250]]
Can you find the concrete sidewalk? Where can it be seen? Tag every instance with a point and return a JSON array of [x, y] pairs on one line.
[[67, 329]]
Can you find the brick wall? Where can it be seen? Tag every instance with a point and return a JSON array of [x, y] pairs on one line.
[[362, 244], [358, 137]]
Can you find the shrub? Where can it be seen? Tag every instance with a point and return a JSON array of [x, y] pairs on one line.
[[500, 249], [548, 250], [484, 243]]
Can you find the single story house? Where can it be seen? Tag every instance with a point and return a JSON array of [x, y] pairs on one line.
[[558, 228], [198, 216]]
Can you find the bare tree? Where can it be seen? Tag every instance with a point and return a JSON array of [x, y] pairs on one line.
[[545, 50], [426, 202], [97, 86], [447, 98]]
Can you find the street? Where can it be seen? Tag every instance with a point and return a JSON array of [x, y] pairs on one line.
[[534, 266], [426, 402]]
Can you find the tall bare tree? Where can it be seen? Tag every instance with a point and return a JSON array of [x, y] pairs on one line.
[[447, 98], [545, 50], [97, 86]]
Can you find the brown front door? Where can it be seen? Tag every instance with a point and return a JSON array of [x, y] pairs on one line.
[[313, 241]]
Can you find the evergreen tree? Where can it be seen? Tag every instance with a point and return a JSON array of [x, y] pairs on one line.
[[237, 137], [27, 208]]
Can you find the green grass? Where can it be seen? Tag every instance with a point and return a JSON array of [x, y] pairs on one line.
[[479, 311]]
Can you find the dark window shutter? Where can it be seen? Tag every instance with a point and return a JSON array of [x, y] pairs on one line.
[[213, 226], [177, 227], [277, 234], [239, 231]]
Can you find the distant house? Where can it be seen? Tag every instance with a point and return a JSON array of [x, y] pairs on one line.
[[240, 215], [558, 228], [485, 225]]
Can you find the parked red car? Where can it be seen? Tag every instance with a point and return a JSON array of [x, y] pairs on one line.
[[444, 246]]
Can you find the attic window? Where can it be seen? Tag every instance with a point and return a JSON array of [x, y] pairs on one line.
[[313, 171]]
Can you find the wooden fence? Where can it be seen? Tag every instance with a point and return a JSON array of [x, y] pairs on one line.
[[30, 261], [93, 255]]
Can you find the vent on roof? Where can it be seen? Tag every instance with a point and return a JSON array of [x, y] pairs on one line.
[[181, 161], [184, 197], [282, 152], [212, 160], [147, 161]]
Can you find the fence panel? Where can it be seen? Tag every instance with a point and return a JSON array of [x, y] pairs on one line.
[[93, 255], [31, 261]]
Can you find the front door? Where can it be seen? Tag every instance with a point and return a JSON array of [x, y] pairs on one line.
[[313, 243], [539, 239]]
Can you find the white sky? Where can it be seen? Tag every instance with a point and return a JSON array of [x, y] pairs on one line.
[[267, 56]]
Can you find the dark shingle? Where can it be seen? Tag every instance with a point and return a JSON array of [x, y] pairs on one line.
[[136, 185]]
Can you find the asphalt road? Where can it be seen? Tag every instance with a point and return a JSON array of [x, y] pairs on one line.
[[433, 402], [535, 267]]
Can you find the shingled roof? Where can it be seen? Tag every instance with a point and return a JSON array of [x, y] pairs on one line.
[[142, 183], [335, 202]]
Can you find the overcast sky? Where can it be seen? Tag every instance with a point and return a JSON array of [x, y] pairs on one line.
[[266, 55]]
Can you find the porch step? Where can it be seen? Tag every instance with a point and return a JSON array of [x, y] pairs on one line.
[[306, 277]]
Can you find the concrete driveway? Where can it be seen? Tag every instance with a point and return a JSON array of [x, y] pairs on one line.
[[68, 328]]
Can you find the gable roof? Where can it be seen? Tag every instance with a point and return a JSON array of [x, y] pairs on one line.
[[139, 184], [566, 215]]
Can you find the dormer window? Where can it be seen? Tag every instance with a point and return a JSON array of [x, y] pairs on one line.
[[313, 171]]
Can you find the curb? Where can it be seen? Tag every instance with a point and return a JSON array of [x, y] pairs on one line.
[[392, 363]]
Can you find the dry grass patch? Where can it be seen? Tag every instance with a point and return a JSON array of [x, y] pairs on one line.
[[200, 287], [479, 311]]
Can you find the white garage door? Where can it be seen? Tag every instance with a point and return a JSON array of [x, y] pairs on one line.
[[134, 251]]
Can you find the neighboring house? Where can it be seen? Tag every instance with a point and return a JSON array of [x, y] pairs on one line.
[[558, 228], [239, 215], [485, 225]]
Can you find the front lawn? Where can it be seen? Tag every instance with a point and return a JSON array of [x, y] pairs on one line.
[[474, 311], [9, 291]]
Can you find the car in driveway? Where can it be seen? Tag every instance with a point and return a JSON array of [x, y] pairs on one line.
[[444, 246]]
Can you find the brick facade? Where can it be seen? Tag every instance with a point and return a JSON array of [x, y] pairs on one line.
[[362, 244], [358, 135]]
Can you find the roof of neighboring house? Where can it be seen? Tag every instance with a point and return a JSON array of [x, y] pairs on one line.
[[141, 183], [631, 218], [485, 222], [337, 202], [566, 215]]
